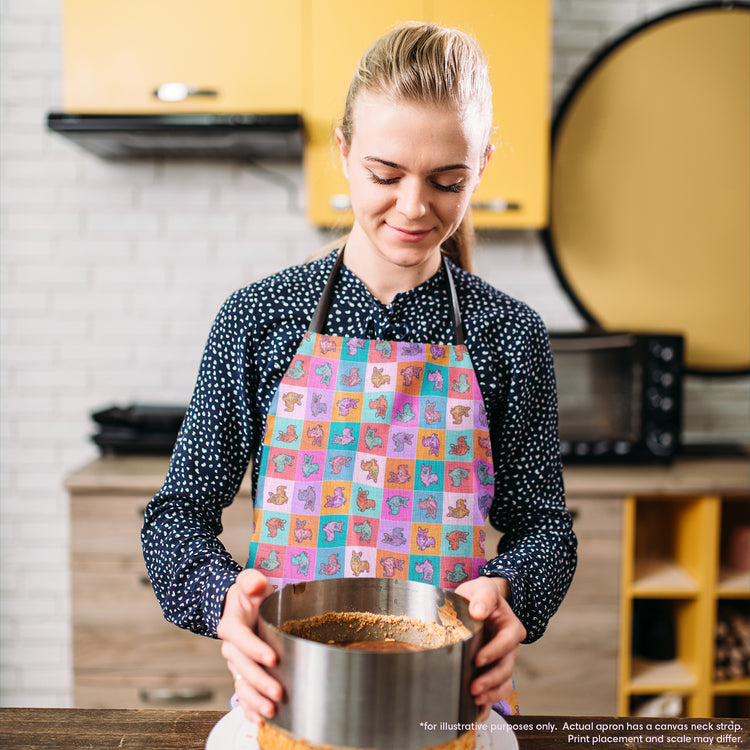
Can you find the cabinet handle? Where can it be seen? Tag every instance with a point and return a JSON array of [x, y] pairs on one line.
[[496, 205], [177, 92], [177, 695]]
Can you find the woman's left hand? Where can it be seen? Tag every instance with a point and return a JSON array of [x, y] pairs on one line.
[[488, 601]]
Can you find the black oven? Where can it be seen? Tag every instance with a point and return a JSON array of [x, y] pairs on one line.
[[619, 394]]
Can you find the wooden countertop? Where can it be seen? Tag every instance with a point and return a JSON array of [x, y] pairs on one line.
[[133, 729], [690, 475]]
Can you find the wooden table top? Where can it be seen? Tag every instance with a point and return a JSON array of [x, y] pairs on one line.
[[136, 729]]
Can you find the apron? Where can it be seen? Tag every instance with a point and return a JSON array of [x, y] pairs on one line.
[[376, 462]]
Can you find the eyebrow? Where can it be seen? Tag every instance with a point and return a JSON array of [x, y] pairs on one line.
[[393, 165]]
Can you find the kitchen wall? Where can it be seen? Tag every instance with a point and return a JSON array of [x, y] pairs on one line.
[[111, 275]]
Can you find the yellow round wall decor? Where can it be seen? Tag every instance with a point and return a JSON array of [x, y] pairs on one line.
[[650, 185]]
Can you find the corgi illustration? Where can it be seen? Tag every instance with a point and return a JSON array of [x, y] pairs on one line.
[[380, 405], [401, 475], [391, 565], [324, 373], [274, 525], [296, 371], [337, 499], [301, 532], [458, 413], [459, 510], [396, 538], [364, 530], [291, 400], [458, 475], [396, 502], [372, 439], [309, 466], [424, 541], [429, 505], [364, 501], [400, 440], [436, 378], [352, 378], [346, 404], [358, 564], [316, 434], [271, 562], [427, 476], [430, 414], [427, 569], [308, 497], [372, 469], [279, 497], [455, 538], [302, 563], [433, 443], [289, 435], [332, 567], [332, 528], [378, 378], [461, 447]]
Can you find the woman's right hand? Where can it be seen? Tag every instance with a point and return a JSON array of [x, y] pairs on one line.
[[246, 654]]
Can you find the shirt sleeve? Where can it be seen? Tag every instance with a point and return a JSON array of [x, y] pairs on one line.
[[189, 568], [537, 551]]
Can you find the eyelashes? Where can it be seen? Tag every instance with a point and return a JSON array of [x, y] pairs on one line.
[[455, 187]]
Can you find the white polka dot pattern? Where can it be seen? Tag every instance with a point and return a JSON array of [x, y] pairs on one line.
[[252, 343]]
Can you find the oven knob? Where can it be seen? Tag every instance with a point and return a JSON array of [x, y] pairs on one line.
[[667, 354], [667, 404], [667, 379], [622, 447], [565, 447], [582, 449]]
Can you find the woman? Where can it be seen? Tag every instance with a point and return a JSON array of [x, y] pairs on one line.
[[414, 143]]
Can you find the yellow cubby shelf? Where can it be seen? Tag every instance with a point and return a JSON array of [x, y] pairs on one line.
[[674, 568]]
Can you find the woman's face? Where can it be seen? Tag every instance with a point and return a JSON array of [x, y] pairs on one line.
[[412, 169]]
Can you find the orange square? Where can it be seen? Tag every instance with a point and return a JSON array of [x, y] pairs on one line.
[[399, 472], [392, 565]]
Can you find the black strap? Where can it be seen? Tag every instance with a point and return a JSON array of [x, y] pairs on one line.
[[318, 320]]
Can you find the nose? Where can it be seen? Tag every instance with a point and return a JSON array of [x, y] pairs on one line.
[[412, 200]]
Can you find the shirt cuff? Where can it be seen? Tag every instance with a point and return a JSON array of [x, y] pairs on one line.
[[213, 598], [494, 569]]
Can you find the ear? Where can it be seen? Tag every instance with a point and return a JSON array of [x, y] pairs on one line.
[[483, 165], [343, 150]]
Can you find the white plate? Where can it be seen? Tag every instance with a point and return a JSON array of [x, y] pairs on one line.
[[234, 732]]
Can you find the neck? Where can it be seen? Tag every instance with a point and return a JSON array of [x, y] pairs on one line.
[[385, 277]]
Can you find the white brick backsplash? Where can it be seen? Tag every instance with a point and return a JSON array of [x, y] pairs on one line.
[[110, 276]]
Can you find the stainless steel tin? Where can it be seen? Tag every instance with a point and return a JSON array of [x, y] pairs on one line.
[[380, 700]]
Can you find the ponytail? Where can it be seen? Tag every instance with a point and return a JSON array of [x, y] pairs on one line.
[[459, 247]]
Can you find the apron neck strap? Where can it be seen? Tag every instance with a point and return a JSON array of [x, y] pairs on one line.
[[321, 311]]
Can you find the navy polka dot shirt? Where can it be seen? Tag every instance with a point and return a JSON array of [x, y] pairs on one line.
[[252, 343]]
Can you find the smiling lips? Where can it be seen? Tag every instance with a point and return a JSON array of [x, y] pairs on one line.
[[409, 235]]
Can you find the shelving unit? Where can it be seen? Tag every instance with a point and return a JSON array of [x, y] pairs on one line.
[[675, 576]]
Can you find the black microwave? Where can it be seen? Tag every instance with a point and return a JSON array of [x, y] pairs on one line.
[[619, 395]]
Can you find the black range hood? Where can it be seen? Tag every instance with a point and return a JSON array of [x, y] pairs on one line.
[[215, 136]]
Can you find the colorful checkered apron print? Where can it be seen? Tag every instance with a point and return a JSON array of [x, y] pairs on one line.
[[376, 463]]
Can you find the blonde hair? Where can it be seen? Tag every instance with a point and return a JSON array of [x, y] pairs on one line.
[[428, 64]]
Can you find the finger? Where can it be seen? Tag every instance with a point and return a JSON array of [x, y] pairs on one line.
[[499, 674], [255, 686], [243, 639], [255, 706], [489, 697]]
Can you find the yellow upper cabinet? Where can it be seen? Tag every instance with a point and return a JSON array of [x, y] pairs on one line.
[[117, 53], [516, 38], [297, 56]]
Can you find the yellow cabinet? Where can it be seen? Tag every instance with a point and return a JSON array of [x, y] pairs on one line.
[[232, 55], [516, 38], [338, 36], [677, 579]]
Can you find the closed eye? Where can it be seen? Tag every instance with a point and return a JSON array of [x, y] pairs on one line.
[[378, 180]]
